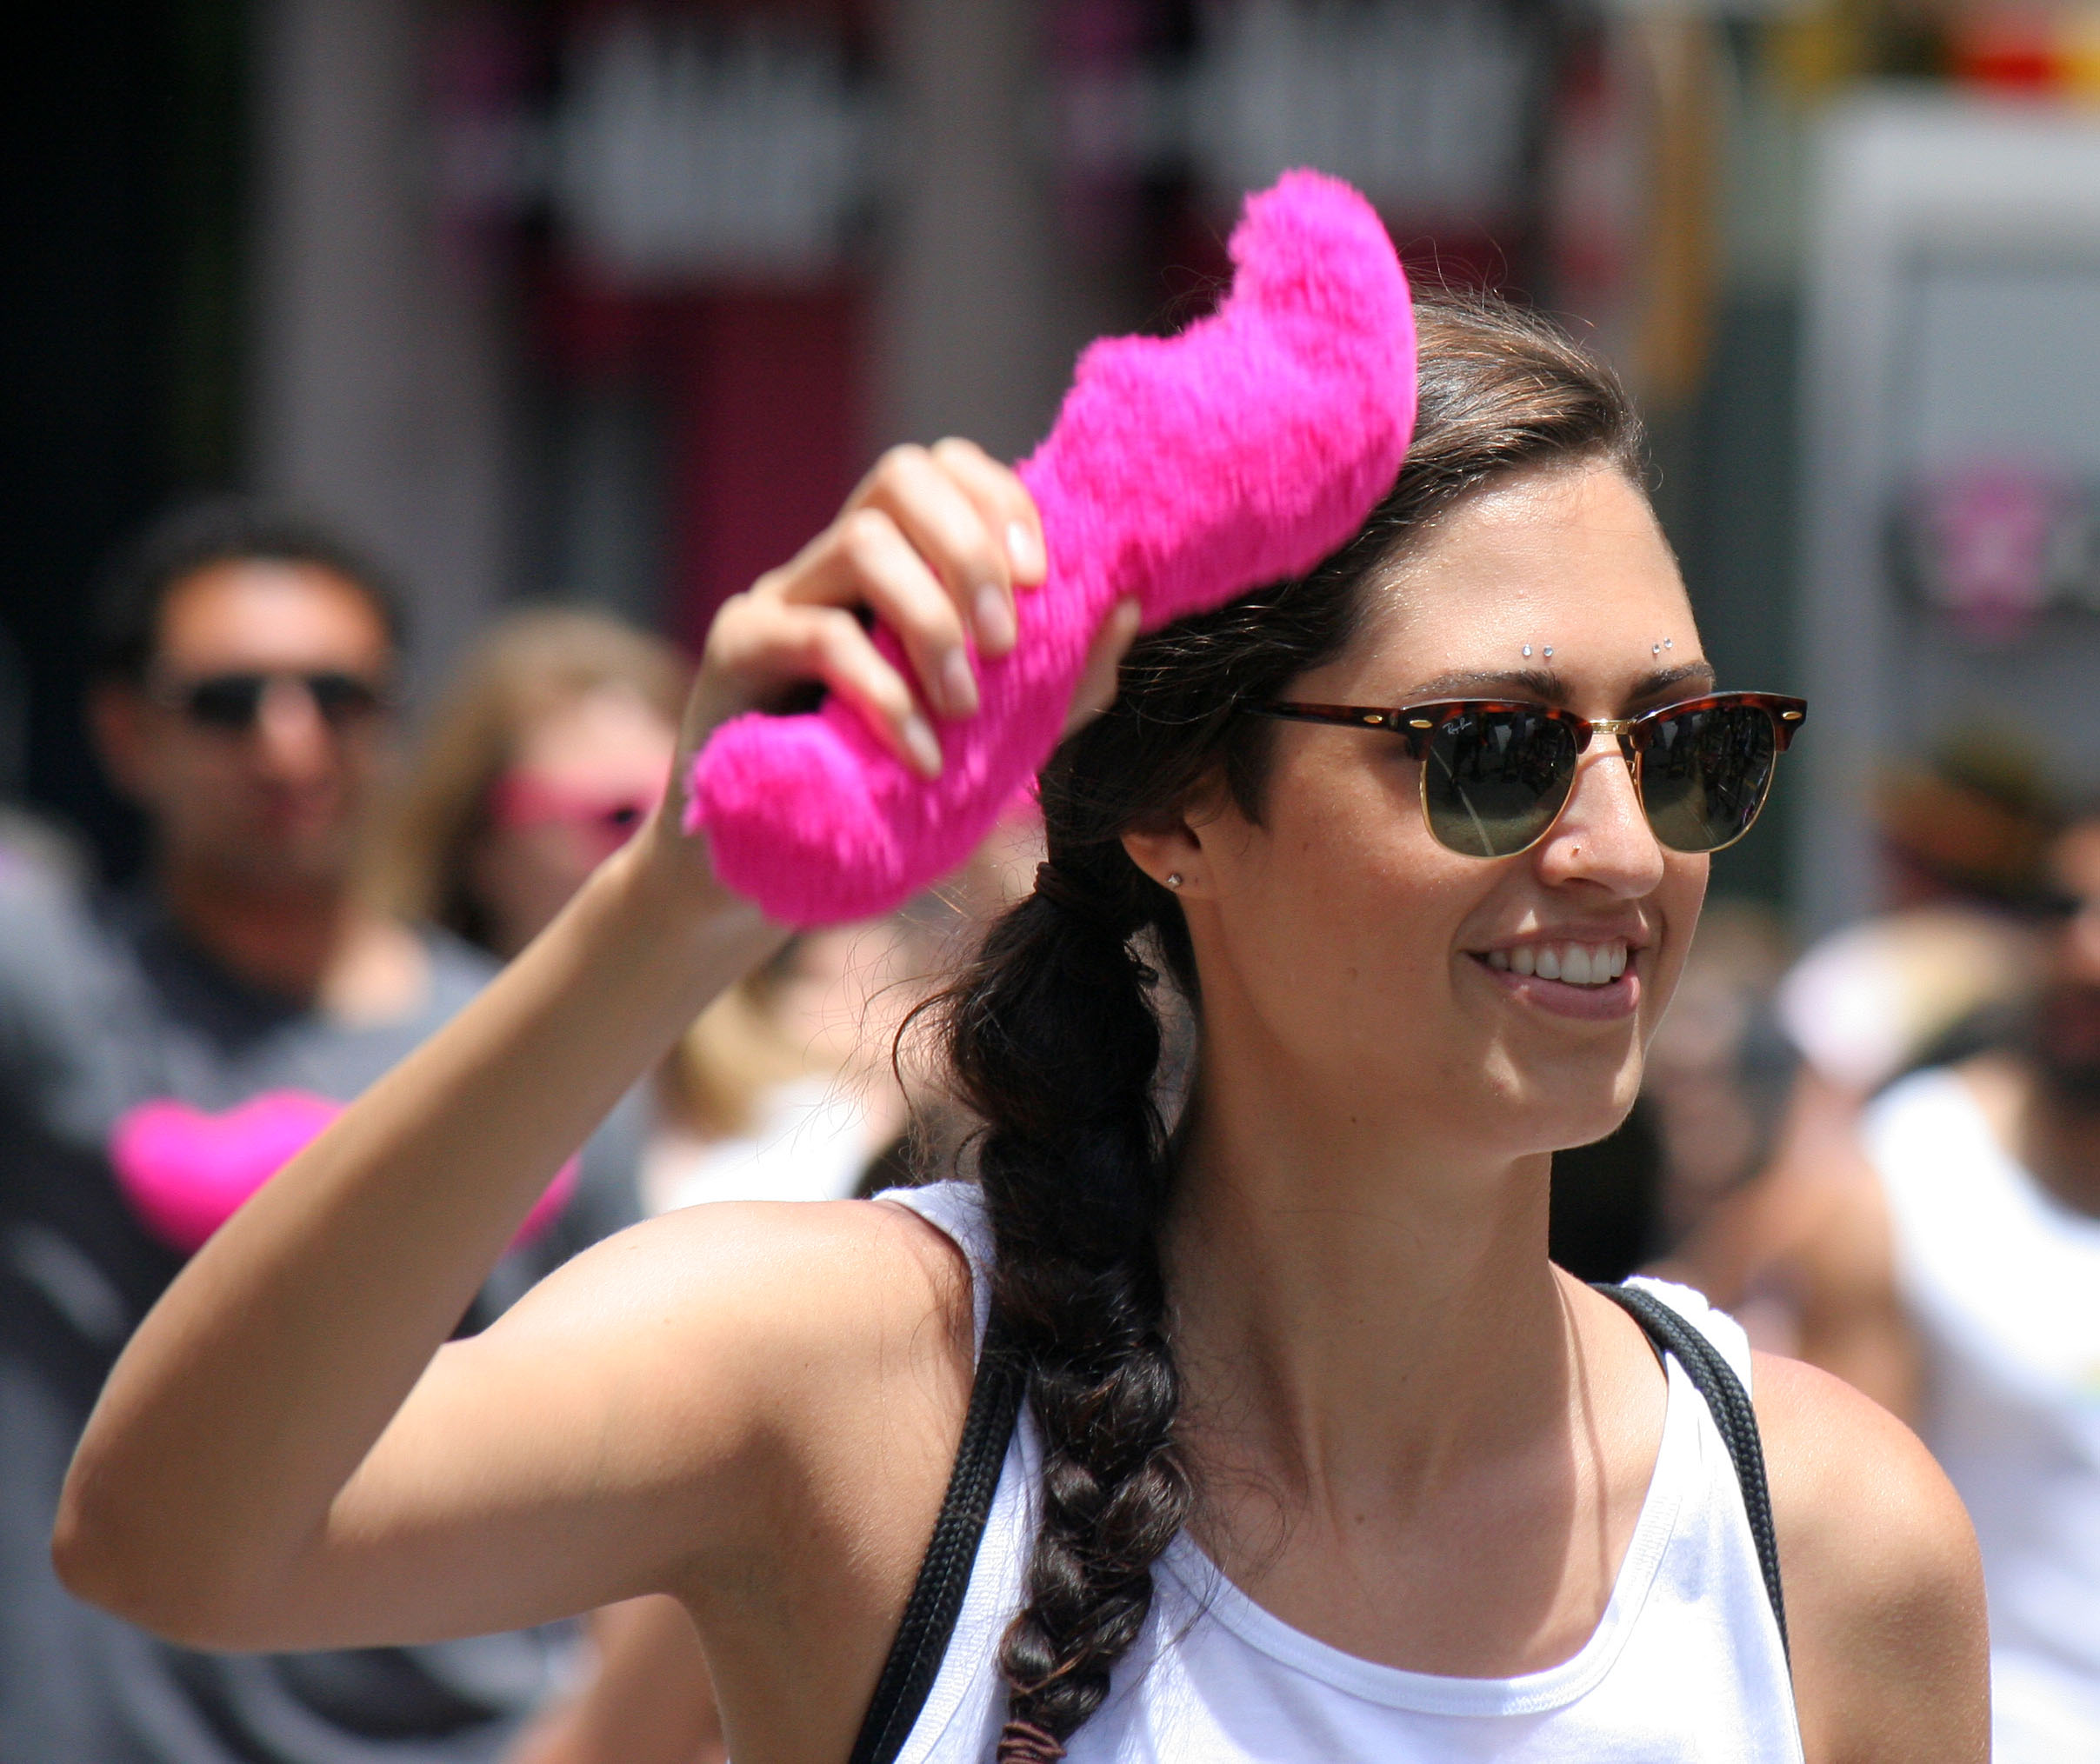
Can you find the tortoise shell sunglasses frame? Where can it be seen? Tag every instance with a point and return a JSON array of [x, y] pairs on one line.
[[1499, 802]]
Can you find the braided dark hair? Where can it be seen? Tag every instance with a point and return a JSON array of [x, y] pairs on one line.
[[1055, 1034]]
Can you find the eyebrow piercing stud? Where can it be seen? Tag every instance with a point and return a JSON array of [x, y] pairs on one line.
[[1527, 649], [1548, 652]]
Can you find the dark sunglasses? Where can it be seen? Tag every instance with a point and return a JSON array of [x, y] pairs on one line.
[[1496, 775], [233, 701]]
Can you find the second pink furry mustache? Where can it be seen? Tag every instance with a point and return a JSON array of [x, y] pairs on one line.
[[1181, 472]]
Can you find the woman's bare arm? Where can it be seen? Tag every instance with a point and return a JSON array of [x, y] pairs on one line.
[[212, 1467], [284, 1458], [1885, 1589]]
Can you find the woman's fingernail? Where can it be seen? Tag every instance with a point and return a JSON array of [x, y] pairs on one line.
[[995, 620], [958, 685], [1020, 548], [919, 742]]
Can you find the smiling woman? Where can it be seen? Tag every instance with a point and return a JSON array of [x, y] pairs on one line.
[[1318, 1456]]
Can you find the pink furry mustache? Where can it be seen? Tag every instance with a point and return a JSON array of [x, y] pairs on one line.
[[1181, 472], [187, 1172]]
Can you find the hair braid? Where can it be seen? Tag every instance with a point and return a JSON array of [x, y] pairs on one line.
[[1055, 1038], [1074, 1173]]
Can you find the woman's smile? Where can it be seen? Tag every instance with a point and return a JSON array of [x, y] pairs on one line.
[[1595, 982], [1587, 972]]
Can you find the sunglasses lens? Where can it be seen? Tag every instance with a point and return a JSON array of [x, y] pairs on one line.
[[1494, 780], [233, 701], [226, 701], [1704, 774], [342, 698]]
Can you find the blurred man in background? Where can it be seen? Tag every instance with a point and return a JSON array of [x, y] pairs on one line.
[[162, 1052], [1945, 1259]]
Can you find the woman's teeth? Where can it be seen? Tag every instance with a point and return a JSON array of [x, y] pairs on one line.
[[1572, 964]]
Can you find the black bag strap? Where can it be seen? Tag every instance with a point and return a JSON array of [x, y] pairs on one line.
[[1716, 1381], [995, 1407], [936, 1596]]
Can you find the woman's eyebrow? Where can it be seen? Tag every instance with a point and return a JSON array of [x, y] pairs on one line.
[[1544, 686], [1540, 683], [1653, 685]]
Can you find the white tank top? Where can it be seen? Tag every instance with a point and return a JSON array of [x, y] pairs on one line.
[[2002, 1284], [1686, 1664]]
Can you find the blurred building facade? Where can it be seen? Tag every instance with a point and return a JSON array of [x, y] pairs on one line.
[[610, 300]]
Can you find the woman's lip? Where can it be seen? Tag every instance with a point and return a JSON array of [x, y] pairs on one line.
[[1608, 1003], [1588, 936]]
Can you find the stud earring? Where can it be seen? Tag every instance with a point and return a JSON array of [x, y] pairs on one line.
[[1174, 879]]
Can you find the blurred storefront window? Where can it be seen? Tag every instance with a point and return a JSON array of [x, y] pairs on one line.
[[610, 300]]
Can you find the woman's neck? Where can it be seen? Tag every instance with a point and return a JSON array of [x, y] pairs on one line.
[[1412, 1437], [1379, 1308]]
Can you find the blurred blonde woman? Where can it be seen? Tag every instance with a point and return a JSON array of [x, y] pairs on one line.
[[550, 746], [549, 749]]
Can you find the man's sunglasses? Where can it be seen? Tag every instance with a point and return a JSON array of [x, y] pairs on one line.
[[233, 701], [1496, 775]]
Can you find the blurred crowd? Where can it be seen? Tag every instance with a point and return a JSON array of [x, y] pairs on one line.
[[1883, 1152]]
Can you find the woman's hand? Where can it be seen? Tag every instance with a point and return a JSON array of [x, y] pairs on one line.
[[935, 544]]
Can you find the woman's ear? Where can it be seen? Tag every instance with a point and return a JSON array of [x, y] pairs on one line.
[[1176, 850], [1172, 854]]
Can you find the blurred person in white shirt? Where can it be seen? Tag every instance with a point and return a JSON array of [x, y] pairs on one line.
[[1942, 1253]]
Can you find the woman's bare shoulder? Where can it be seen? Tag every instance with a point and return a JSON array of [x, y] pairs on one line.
[[1883, 1587], [759, 1329], [790, 1238], [779, 1282]]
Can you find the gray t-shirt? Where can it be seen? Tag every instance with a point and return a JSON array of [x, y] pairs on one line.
[[103, 1006]]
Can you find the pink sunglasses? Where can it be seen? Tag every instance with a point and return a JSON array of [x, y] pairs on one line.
[[519, 801]]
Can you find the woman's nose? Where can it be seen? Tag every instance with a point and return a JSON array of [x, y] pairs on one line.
[[1602, 835]]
